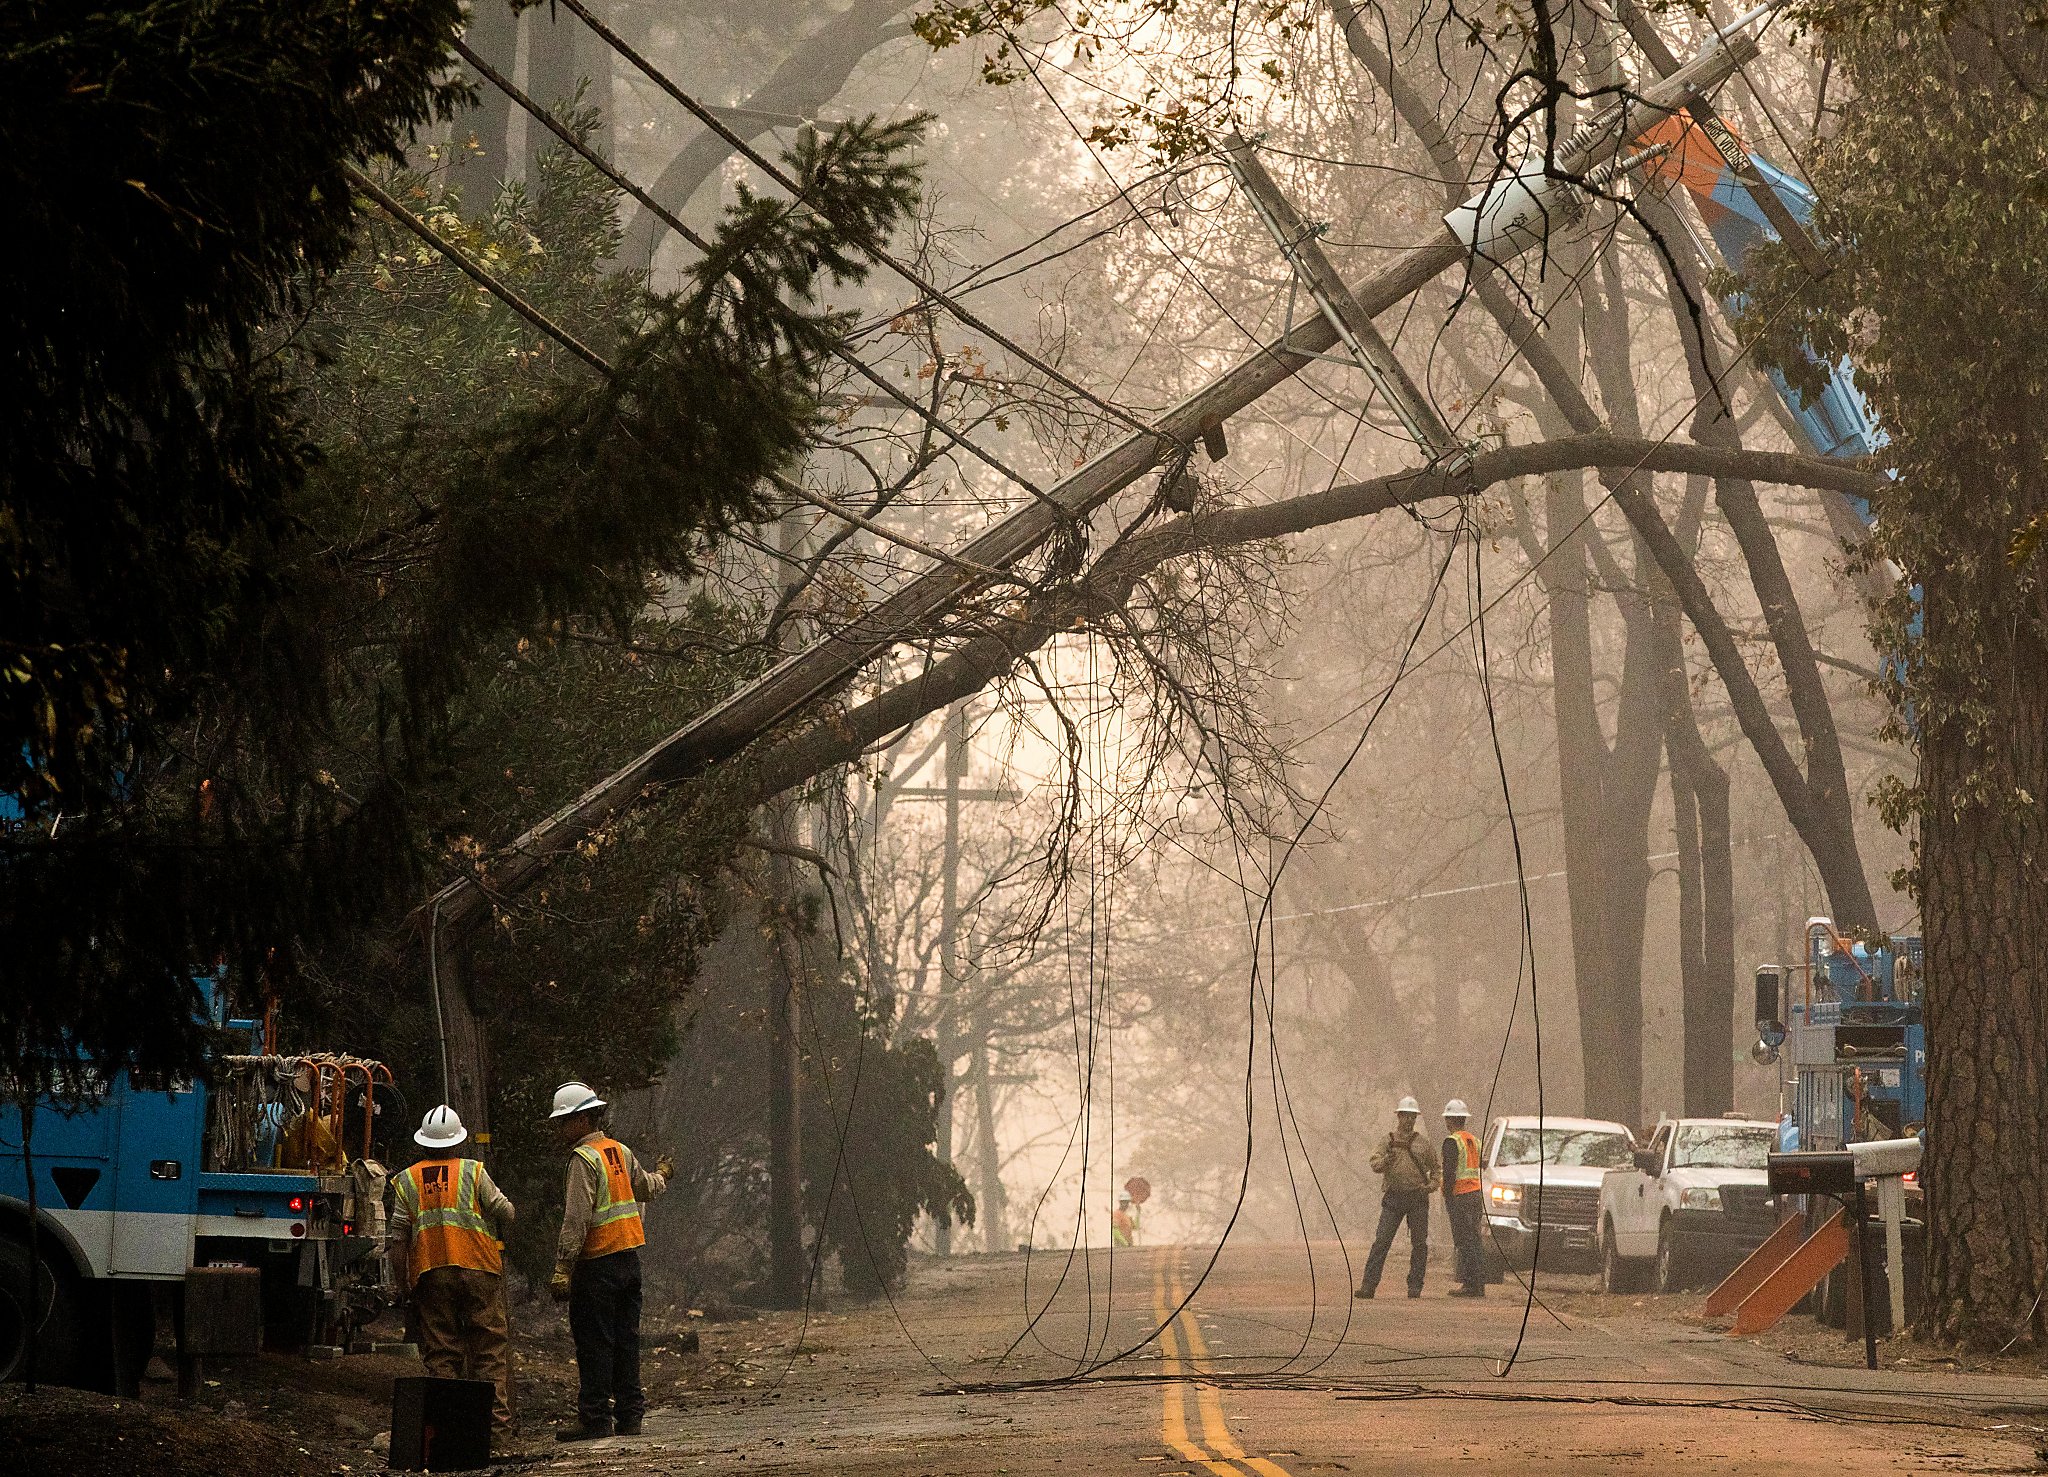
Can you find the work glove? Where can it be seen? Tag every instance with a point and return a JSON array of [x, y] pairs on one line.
[[665, 1166], [558, 1285]]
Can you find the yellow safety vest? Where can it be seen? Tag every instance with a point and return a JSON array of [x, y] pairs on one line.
[[615, 1215], [1467, 1182], [441, 1198]]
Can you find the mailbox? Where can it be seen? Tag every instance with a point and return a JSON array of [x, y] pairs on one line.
[[1880, 1158], [1814, 1172]]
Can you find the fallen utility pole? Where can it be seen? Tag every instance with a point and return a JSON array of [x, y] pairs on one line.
[[1506, 218], [1509, 216]]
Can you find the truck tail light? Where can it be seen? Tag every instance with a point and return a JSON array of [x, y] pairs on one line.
[[296, 1204], [348, 1228]]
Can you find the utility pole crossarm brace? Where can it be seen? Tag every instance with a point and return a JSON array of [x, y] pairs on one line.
[[1347, 316]]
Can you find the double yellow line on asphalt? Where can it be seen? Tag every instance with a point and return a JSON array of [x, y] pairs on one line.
[[1217, 1451]]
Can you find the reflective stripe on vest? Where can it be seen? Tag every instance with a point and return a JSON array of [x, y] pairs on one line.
[[441, 1198], [615, 1214], [1467, 1182]]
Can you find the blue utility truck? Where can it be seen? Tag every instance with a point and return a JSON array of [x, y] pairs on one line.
[[267, 1163], [1850, 1020]]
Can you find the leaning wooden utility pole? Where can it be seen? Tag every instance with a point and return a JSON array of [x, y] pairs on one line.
[[1513, 214], [949, 944], [785, 1068], [785, 1051]]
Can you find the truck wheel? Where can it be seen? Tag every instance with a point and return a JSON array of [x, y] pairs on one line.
[[54, 1316], [1493, 1262], [1671, 1273], [1617, 1273]]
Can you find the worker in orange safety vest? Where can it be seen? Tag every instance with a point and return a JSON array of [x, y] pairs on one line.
[[1462, 1201], [447, 1223], [597, 1264]]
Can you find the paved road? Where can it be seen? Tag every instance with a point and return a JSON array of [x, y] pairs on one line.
[[1268, 1366]]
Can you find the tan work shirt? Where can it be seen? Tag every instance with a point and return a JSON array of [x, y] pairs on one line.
[[1407, 1162], [579, 1195]]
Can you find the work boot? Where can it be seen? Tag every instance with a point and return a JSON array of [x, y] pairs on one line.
[[1363, 1292], [1415, 1292], [585, 1433], [629, 1427], [1469, 1290]]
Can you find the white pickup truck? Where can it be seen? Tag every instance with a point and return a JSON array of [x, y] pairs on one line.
[[1694, 1203], [1541, 1177]]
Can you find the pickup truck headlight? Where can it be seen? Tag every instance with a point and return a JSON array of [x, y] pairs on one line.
[[1504, 1194], [1700, 1198]]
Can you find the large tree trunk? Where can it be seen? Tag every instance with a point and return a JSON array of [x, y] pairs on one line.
[[1984, 906], [1706, 900]]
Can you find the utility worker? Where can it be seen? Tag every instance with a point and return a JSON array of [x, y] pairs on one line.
[[1461, 1199], [447, 1221], [597, 1264], [1409, 1173], [1123, 1222]]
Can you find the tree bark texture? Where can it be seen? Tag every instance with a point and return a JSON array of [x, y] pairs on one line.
[[551, 78], [1984, 910]]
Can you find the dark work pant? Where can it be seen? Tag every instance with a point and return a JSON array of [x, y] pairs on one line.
[[1464, 1211], [604, 1319], [1397, 1206]]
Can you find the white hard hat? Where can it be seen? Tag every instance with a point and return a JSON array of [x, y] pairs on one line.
[[574, 1097], [440, 1129], [1456, 1108], [1408, 1105]]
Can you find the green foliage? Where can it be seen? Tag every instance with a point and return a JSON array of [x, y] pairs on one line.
[[502, 537], [174, 184], [1933, 189], [871, 1114], [361, 486], [173, 174]]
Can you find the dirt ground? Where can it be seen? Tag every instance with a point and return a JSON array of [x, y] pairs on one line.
[[1266, 1371], [283, 1415]]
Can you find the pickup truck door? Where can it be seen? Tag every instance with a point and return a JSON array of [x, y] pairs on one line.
[[1637, 1207]]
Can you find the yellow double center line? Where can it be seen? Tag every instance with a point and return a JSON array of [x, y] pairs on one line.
[[1217, 1451]]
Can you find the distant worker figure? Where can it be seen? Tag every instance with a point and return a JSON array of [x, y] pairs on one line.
[[447, 1221], [597, 1264], [1462, 1200], [1123, 1223], [1410, 1173]]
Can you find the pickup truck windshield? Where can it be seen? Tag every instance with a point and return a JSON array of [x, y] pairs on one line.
[[1713, 1147], [1582, 1146]]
